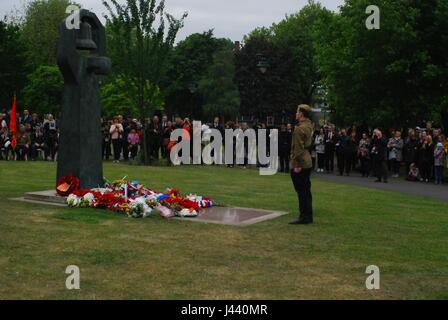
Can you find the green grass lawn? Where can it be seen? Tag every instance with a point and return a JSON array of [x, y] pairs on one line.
[[122, 258]]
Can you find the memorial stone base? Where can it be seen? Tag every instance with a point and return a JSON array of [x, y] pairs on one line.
[[216, 215]]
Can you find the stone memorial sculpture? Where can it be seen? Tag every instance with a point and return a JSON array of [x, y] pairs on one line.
[[82, 59]]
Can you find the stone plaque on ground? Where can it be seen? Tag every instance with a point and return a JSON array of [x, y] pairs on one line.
[[235, 216]]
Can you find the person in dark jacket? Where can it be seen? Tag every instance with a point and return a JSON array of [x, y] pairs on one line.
[[350, 152], [379, 154], [341, 142], [50, 137], [410, 148], [163, 126], [37, 142], [230, 125], [425, 156], [154, 137], [330, 141], [164, 123], [166, 140], [106, 141], [127, 127], [364, 154], [26, 118], [217, 126], [284, 142], [35, 121]]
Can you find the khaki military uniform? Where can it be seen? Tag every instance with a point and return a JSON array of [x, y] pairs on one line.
[[301, 142], [301, 159]]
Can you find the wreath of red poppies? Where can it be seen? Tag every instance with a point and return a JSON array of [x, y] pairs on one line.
[[67, 185]]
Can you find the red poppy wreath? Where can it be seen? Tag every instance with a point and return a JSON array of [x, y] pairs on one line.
[[67, 185]]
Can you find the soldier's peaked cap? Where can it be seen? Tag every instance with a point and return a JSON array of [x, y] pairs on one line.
[[304, 107]]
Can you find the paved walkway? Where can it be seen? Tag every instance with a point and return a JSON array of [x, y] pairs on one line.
[[429, 190]]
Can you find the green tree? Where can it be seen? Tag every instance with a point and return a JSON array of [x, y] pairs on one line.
[[41, 30], [12, 71], [272, 93], [188, 64], [394, 76], [43, 93], [296, 32], [260, 33], [219, 91], [141, 34], [116, 98]]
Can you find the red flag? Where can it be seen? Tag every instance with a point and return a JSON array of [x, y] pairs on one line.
[[13, 123]]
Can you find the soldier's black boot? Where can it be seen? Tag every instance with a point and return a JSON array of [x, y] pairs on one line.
[[303, 207]]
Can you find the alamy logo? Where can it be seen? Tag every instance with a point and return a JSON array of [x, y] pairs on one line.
[[73, 280], [373, 280], [73, 21], [373, 20], [246, 147]]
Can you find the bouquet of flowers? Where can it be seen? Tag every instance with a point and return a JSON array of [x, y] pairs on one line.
[[137, 201], [66, 185]]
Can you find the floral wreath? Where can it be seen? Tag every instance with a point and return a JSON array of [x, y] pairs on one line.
[[67, 185]]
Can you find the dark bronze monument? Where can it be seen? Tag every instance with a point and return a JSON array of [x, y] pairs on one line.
[[82, 59]]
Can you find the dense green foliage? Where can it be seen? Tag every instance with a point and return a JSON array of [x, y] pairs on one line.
[[296, 32], [141, 35], [12, 60], [221, 95], [43, 93], [41, 30], [272, 92], [117, 97], [188, 65], [393, 76]]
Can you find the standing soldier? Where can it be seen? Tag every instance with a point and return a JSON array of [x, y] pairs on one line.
[[301, 163]]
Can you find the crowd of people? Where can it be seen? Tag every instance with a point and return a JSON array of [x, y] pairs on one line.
[[36, 137], [123, 138], [421, 151]]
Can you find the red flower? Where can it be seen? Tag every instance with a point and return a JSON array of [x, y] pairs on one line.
[[188, 204], [174, 192], [80, 193], [181, 202], [109, 200], [67, 185]]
